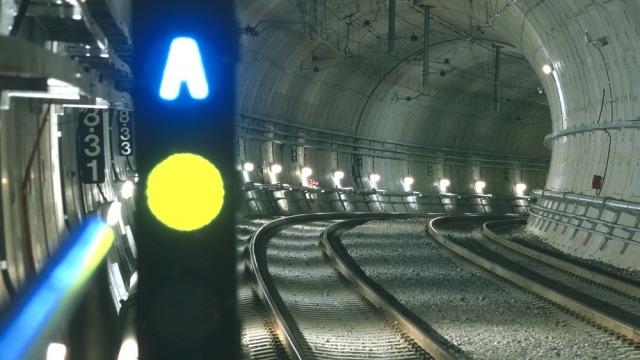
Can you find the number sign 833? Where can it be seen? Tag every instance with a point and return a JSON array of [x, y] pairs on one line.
[[124, 133]]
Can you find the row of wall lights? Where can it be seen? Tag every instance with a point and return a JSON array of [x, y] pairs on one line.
[[408, 180]]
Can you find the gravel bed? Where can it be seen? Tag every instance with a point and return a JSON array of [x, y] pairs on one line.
[[610, 303], [328, 320], [518, 233], [480, 316]]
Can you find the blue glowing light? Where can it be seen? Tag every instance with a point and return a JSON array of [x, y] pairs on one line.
[[184, 64], [58, 282]]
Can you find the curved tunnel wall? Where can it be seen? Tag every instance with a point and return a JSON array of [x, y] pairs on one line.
[[597, 84], [352, 86], [553, 33]]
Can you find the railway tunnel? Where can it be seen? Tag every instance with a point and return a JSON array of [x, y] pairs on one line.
[[461, 107]]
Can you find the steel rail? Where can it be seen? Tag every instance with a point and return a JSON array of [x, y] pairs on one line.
[[430, 345], [553, 261], [260, 273], [574, 305]]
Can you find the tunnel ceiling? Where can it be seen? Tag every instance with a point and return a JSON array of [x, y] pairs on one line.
[[326, 64]]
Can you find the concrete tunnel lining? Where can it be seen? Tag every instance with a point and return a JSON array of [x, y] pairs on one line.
[[276, 80]]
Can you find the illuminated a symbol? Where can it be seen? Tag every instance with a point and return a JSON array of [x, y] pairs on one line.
[[184, 64]]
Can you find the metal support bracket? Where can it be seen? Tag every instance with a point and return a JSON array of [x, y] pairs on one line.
[[65, 79]]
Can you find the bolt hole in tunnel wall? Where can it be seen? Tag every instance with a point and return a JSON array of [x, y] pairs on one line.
[[331, 84]]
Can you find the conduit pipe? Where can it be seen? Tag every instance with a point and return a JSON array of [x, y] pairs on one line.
[[277, 23], [285, 22], [619, 125], [354, 138], [25, 186], [425, 65], [618, 205], [496, 96], [392, 27], [414, 155]]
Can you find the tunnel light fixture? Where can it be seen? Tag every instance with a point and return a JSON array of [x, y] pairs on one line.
[[129, 350], [480, 185], [374, 177], [114, 213], [306, 171], [276, 168], [248, 166], [339, 175], [408, 180], [56, 351], [444, 182], [127, 189], [520, 187], [77, 10], [547, 69]]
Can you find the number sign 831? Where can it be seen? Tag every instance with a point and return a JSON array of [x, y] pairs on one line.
[[91, 134]]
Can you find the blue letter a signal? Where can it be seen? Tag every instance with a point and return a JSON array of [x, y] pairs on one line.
[[184, 64]]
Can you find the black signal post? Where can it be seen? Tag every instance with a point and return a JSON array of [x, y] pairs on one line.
[[186, 278]]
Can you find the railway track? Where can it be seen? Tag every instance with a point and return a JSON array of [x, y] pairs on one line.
[[258, 339], [318, 312], [308, 302], [480, 314], [607, 304]]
